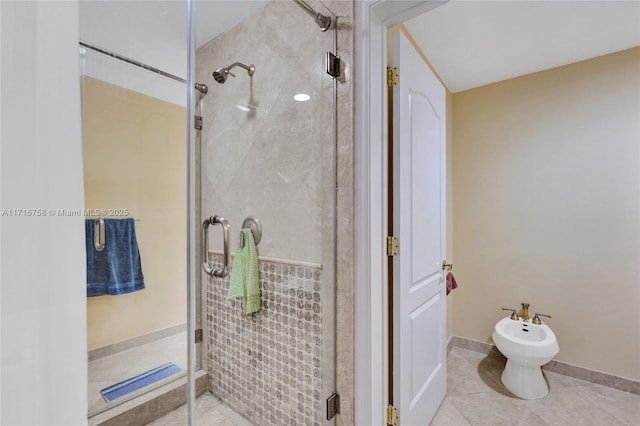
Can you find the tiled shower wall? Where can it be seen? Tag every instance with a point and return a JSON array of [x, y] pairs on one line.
[[262, 153], [267, 366]]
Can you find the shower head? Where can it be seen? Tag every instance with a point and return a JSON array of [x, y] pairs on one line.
[[220, 75]]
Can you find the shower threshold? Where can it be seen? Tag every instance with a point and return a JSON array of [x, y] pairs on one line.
[[109, 366], [151, 405]]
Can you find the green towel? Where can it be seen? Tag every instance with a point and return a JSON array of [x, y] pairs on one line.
[[245, 275]]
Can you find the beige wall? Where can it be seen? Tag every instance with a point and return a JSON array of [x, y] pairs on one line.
[[547, 207], [135, 158]]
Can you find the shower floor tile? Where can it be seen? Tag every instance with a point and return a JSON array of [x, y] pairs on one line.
[[120, 366], [209, 411]]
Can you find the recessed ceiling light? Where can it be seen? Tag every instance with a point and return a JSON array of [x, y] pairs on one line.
[[301, 97]]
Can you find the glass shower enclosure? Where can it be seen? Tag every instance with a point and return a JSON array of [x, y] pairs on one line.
[[267, 162]]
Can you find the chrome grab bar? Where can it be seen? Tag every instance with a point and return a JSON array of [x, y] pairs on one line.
[[226, 258], [99, 239]]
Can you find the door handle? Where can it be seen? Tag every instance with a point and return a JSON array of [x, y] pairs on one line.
[[446, 266], [226, 256]]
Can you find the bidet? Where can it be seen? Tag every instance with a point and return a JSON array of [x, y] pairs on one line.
[[527, 347]]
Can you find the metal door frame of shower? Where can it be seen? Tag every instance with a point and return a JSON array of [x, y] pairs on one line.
[[191, 214]]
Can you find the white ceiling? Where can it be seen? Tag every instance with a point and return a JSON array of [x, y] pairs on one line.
[[214, 17], [471, 43]]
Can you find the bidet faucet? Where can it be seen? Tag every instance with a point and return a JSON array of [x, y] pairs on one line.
[[525, 311]]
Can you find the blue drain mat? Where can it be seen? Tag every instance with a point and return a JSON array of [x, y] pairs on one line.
[[138, 382]]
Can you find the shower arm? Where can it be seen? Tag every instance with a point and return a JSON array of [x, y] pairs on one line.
[[324, 22], [250, 69]]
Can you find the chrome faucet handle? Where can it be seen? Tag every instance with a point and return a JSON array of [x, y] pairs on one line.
[[537, 320], [514, 315]]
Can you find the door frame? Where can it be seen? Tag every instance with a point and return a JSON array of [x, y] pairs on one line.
[[372, 20]]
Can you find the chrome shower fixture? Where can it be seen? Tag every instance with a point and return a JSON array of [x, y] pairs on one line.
[[220, 75], [202, 88], [322, 21]]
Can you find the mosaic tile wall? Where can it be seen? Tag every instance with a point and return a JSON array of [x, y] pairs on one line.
[[267, 366]]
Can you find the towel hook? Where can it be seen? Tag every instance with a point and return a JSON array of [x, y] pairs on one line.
[[252, 223], [99, 239]]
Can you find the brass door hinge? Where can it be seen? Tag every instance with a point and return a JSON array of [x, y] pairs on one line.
[[393, 76], [393, 416], [393, 246]]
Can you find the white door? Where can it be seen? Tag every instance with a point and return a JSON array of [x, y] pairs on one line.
[[419, 305]]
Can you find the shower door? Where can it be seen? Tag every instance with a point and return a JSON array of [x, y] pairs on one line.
[[266, 152]]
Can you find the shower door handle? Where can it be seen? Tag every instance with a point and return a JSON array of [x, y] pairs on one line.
[[226, 256]]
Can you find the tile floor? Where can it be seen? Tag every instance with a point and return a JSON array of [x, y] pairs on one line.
[[114, 368], [476, 396]]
